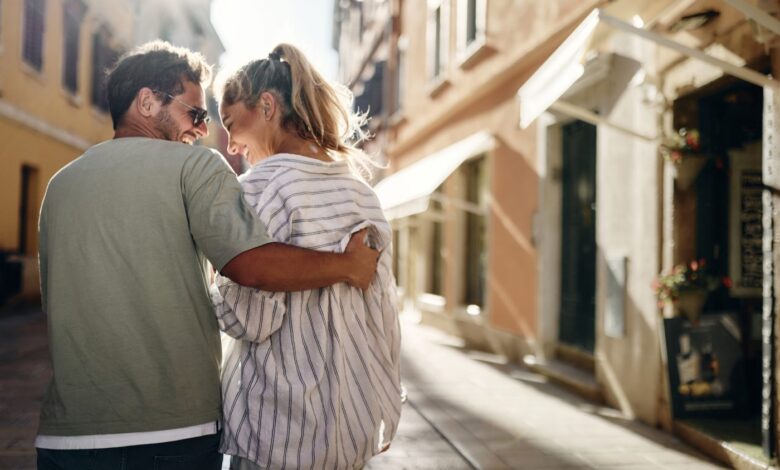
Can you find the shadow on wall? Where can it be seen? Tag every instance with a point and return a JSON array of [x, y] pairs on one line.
[[629, 366]]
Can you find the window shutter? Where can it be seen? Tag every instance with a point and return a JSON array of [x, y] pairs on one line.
[[73, 15], [32, 49]]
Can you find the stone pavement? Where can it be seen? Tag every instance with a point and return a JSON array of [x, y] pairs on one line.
[[24, 373], [503, 416], [466, 410]]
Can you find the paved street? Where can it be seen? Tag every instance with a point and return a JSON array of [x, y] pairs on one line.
[[503, 416], [466, 410], [24, 372]]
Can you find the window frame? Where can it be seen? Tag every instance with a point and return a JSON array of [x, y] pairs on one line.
[[437, 9], [36, 69], [398, 76], [467, 51], [72, 61], [475, 220], [102, 37], [2, 4], [435, 264]]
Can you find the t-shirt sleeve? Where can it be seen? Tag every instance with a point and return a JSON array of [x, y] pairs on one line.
[[43, 258], [222, 223]]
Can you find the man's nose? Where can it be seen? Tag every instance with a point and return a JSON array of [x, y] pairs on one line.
[[202, 129]]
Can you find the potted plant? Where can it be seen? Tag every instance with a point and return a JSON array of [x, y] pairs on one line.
[[682, 149], [686, 287]]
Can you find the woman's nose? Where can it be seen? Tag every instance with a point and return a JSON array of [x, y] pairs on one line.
[[232, 148]]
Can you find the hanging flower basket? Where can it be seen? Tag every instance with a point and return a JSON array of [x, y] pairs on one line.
[[686, 172], [682, 150], [690, 303], [686, 287]]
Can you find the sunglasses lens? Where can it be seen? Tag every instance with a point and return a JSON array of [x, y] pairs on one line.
[[199, 117]]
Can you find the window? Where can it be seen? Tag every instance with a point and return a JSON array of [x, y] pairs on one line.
[[28, 210], [475, 177], [32, 39], [1, 25], [436, 258], [103, 57], [396, 254], [371, 98], [471, 25], [438, 43], [73, 15], [398, 74]]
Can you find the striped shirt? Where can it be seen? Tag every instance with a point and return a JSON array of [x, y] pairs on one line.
[[311, 379]]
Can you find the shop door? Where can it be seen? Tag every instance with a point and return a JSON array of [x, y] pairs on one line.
[[578, 237]]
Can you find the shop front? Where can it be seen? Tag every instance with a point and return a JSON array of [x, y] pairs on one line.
[[672, 106]]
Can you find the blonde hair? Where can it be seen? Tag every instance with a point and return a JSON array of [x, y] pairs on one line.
[[313, 108]]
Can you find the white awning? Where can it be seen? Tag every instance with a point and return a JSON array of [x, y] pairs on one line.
[[408, 191], [567, 65], [558, 73]]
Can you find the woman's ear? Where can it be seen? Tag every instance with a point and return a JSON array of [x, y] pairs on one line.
[[267, 105]]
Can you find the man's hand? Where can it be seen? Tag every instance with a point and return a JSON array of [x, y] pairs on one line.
[[362, 260]]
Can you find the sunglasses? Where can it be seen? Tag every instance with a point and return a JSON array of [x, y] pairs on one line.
[[198, 115]]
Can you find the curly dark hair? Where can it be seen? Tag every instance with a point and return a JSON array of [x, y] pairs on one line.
[[158, 65]]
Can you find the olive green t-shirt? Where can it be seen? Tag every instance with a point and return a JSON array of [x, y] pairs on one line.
[[126, 234]]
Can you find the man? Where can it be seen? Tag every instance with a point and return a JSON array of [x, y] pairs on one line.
[[125, 234]]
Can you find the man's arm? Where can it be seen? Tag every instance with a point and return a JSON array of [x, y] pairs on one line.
[[280, 267]]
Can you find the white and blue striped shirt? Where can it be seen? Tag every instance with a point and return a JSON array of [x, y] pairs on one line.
[[311, 379]]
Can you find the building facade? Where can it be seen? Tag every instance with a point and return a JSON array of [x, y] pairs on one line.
[[558, 170], [53, 58]]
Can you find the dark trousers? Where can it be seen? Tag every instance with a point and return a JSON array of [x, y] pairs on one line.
[[199, 453]]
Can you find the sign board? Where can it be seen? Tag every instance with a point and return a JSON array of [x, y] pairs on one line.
[[615, 312], [746, 230], [705, 366]]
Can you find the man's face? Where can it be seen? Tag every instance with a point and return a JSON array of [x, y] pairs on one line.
[[175, 120]]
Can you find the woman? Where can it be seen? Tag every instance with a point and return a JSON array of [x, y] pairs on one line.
[[310, 379]]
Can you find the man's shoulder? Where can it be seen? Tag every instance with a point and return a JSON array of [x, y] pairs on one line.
[[144, 146]]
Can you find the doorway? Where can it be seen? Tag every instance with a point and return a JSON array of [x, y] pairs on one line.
[[578, 237]]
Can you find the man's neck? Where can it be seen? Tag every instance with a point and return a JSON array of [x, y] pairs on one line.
[[132, 130]]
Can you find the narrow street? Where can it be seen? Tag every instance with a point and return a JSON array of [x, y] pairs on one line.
[[465, 410], [499, 416]]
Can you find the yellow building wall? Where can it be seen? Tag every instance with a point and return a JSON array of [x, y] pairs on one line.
[[39, 96], [24, 146], [41, 93], [29, 95]]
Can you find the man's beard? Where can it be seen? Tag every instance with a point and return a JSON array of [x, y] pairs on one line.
[[165, 124]]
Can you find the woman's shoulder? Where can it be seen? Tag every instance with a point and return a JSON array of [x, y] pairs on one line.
[[290, 168]]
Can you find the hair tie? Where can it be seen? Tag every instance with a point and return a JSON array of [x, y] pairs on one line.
[[275, 56]]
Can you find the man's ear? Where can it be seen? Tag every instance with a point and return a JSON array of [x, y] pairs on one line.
[[147, 103]]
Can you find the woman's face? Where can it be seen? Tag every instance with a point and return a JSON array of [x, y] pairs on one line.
[[248, 131]]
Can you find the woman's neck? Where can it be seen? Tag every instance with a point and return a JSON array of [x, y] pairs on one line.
[[298, 146]]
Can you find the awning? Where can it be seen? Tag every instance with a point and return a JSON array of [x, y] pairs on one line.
[[408, 191], [558, 73], [544, 89]]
